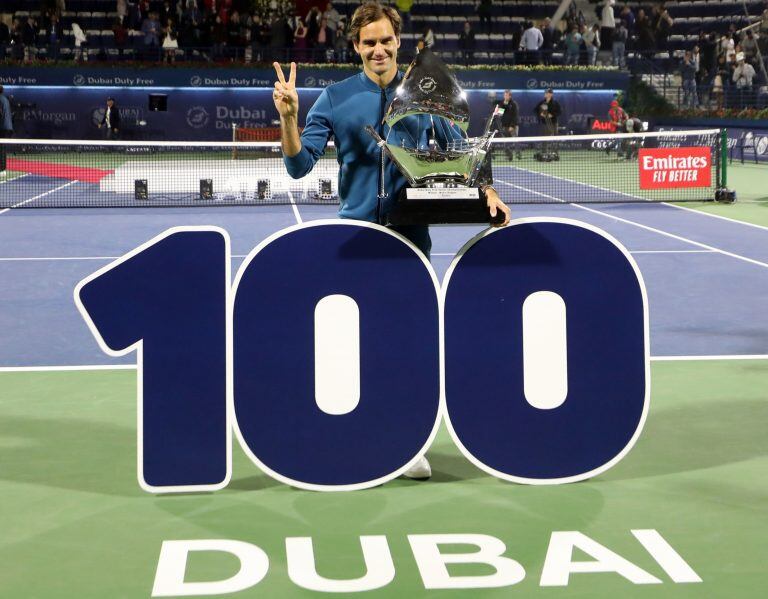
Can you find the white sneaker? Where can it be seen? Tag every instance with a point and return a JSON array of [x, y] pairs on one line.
[[419, 471]]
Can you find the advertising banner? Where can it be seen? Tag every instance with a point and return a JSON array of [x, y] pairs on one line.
[[209, 114], [669, 168], [309, 77]]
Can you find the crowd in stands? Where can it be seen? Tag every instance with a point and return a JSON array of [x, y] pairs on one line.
[[266, 30]]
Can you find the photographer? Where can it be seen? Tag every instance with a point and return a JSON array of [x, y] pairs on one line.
[[548, 112]]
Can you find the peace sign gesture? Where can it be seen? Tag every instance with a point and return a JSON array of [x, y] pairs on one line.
[[285, 96]]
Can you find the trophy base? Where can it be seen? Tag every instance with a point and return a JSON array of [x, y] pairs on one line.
[[441, 206]]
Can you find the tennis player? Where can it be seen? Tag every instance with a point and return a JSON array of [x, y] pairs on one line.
[[368, 185]]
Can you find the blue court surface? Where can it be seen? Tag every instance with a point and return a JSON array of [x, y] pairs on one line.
[[707, 277]]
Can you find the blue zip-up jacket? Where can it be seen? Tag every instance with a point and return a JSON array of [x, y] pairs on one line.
[[342, 111]]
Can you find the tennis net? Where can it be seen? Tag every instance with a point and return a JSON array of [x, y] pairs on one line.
[[665, 166]]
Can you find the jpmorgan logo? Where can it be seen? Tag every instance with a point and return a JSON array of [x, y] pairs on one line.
[[198, 117], [427, 85]]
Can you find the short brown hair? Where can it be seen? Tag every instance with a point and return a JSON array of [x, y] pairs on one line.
[[371, 12]]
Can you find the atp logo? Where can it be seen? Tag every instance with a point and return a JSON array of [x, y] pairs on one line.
[[427, 85], [198, 117]]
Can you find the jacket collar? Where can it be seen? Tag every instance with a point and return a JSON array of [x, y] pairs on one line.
[[371, 86]]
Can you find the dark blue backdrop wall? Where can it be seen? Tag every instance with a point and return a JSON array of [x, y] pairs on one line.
[[208, 114], [203, 103]]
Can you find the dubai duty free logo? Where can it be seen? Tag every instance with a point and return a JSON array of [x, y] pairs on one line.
[[198, 117]]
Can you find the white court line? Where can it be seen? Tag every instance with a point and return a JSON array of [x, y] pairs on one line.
[[295, 209], [67, 368], [687, 358], [645, 200], [88, 367], [7, 180], [37, 197], [646, 227], [75, 258], [635, 252], [730, 220]]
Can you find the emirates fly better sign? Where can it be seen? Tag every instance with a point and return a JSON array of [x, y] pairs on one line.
[[669, 168]]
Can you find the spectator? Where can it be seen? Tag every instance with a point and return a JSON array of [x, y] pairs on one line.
[[278, 36], [548, 40], [467, 43], [530, 43], [629, 20], [727, 48], [749, 47], [663, 27], [404, 8], [121, 36], [341, 45], [484, 12], [592, 43], [299, 39], [29, 38], [218, 36], [572, 46], [708, 47], [53, 38], [719, 83], [620, 37], [507, 120], [259, 37], [234, 34], [313, 26], [122, 10], [110, 122], [646, 38], [6, 127], [80, 41], [151, 30], [325, 40], [608, 25], [170, 41], [688, 74], [332, 17], [5, 39], [743, 77]]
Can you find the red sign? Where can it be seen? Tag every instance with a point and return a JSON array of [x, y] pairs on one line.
[[668, 168], [598, 125]]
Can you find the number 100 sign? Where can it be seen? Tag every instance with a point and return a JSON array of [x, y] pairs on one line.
[[336, 354]]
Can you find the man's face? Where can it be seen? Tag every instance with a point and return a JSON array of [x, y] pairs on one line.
[[507, 96], [548, 96], [377, 46]]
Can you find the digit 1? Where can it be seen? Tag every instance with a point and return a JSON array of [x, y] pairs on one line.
[[168, 300]]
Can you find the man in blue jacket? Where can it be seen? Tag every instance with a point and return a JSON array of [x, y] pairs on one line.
[[368, 184]]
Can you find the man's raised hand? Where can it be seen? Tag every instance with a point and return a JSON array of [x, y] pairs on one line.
[[285, 96]]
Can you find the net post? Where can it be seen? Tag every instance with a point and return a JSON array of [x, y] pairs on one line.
[[723, 158]]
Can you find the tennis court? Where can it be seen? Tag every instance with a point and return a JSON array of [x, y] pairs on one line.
[[76, 523]]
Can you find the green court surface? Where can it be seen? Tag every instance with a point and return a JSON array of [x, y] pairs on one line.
[[76, 524], [750, 181]]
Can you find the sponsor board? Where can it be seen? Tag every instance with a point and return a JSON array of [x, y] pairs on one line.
[[670, 168]]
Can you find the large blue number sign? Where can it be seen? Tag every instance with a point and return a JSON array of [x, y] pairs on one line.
[[335, 355]]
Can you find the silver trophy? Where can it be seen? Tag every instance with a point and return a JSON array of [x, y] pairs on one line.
[[442, 181]]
